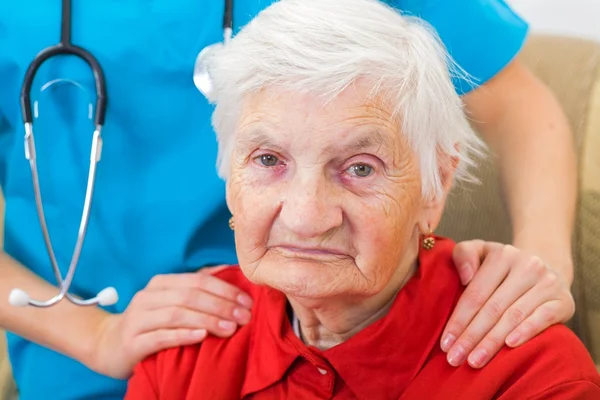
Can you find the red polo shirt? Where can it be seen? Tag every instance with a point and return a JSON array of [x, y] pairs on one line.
[[397, 357]]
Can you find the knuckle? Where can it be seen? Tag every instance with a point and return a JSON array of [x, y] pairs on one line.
[[477, 242], [500, 252], [492, 343], [515, 316], [188, 297], [494, 310], [224, 309], [536, 267], [176, 317], [137, 298], [202, 273], [208, 322], [547, 316], [469, 340], [508, 251], [203, 281], [455, 327], [474, 298], [550, 280], [467, 245], [156, 281], [526, 328]]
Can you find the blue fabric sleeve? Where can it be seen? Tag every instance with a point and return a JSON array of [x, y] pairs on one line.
[[482, 36], [4, 137]]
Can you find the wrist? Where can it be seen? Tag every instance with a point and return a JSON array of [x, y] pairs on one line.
[[554, 251], [87, 347]]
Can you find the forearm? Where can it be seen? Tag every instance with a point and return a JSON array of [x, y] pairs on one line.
[[65, 328], [534, 148], [538, 173]]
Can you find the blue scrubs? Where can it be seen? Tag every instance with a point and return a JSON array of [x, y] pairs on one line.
[[159, 206]]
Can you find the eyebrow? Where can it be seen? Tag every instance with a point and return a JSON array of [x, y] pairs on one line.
[[369, 138], [257, 138]]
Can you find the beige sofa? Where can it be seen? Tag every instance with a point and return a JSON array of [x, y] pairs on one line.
[[571, 68]]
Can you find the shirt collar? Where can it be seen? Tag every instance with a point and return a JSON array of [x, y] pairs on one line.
[[393, 349]]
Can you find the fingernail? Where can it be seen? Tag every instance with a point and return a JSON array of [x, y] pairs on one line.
[[466, 273], [456, 356], [478, 358], [227, 325], [242, 315], [199, 333], [447, 342], [244, 300], [513, 339]]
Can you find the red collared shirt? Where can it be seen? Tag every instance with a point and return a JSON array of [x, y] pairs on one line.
[[397, 357]]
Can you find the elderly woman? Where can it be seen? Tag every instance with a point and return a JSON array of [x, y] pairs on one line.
[[340, 135]]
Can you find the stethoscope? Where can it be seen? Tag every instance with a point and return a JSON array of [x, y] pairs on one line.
[[107, 296]]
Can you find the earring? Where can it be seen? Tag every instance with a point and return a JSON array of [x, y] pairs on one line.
[[429, 241], [232, 224]]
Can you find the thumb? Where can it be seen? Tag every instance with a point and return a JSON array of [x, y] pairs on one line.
[[468, 255]]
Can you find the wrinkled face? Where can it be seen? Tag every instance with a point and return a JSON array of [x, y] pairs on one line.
[[327, 199]]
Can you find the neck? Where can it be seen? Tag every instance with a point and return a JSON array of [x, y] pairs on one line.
[[325, 323]]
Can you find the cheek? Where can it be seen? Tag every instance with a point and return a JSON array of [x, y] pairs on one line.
[[385, 229], [254, 208]]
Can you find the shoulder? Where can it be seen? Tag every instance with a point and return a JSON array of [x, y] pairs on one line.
[[482, 36], [178, 369], [555, 365], [555, 360], [170, 369]]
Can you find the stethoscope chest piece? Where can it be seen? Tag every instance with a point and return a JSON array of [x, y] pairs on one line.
[[202, 78]]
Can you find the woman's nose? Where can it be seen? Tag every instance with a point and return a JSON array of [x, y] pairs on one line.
[[311, 208]]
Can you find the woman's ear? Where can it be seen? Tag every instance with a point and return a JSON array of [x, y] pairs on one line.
[[434, 207]]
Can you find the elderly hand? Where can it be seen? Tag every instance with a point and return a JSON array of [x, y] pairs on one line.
[[511, 297], [173, 310]]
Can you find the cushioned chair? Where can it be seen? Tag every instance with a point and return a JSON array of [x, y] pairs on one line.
[[571, 68]]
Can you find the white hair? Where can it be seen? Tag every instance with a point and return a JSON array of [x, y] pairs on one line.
[[321, 47]]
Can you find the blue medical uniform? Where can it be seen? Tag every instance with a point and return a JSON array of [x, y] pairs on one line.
[[159, 206]]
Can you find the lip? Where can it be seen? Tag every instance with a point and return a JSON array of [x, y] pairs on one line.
[[310, 252]]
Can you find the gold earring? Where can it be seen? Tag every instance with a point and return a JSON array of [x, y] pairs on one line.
[[429, 241], [232, 224]]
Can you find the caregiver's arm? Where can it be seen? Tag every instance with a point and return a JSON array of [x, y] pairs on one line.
[[524, 125], [172, 310], [522, 122]]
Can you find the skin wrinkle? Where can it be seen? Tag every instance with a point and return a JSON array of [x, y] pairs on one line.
[[308, 199]]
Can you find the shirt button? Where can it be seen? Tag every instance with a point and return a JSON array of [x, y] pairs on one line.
[[322, 371]]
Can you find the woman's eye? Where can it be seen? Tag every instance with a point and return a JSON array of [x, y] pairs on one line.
[[360, 170], [268, 160]]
